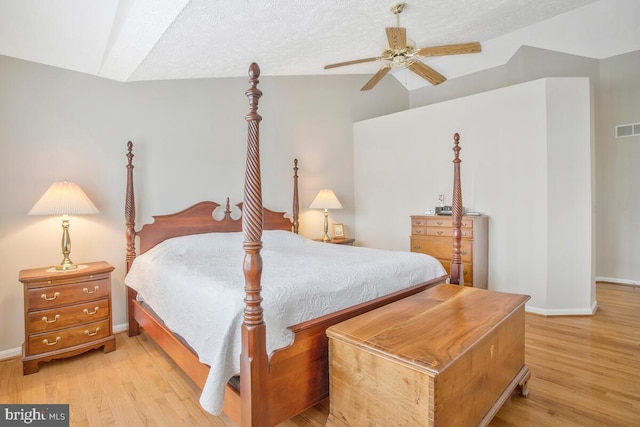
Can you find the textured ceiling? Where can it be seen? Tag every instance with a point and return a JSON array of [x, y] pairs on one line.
[[132, 40]]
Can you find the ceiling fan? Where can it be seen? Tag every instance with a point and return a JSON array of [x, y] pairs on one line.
[[404, 53]]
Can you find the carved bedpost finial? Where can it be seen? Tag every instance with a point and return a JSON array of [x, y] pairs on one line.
[[227, 210], [253, 93], [456, 276], [456, 147]]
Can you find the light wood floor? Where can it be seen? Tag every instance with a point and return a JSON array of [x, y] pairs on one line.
[[585, 372]]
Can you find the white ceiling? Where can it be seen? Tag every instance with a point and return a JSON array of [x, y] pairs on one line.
[[132, 40]]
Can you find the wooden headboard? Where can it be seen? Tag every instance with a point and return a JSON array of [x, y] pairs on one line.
[[196, 219]]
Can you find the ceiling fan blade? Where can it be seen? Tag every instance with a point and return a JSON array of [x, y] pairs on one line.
[[397, 37], [451, 49], [355, 61], [376, 77], [426, 72]]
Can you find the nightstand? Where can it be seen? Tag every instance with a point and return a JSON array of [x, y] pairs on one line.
[[344, 241], [66, 313]]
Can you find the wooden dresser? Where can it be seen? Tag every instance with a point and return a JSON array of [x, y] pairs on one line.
[[66, 313], [433, 235], [448, 356]]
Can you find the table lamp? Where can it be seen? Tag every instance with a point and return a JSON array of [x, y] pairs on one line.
[[326, 199], [64, 198]]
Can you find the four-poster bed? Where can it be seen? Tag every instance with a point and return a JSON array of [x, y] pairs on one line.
[[275, 386]]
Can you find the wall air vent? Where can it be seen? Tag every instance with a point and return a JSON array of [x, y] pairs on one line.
[[622, 131]]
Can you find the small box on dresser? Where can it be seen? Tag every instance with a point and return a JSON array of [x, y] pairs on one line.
[[66, 313], [433, 235]]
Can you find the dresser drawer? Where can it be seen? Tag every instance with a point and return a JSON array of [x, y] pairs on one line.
[[467, 270], [440, 248], [447, 221], [467, 233], [55, 296], [418, 221], [418, 230], [64, 338], [63, 317]]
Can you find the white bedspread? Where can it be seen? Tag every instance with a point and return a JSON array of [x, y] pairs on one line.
[[196, 285]]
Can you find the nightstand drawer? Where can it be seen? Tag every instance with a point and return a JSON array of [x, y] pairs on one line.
[[48, 297], [63, 317], [52, 341]]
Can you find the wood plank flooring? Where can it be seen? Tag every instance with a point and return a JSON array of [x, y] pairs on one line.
[[585, 372]]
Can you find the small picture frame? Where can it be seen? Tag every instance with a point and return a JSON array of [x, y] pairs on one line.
[[338, 231]]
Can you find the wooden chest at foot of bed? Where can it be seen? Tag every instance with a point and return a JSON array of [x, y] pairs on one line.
[[450, 355]]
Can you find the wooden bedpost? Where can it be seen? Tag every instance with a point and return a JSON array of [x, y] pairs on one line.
[[456, 276], [130, 209], [130, 223], [296, 203], [253, 359]]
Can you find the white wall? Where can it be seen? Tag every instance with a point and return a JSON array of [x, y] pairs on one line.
[[570, 196], [617, 173], [510, 161], [190, 145]]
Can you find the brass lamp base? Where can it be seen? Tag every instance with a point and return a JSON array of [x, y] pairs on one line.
[[326, 237], [66, 263]]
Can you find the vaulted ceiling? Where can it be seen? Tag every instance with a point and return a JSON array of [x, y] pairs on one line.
[[133, 40]]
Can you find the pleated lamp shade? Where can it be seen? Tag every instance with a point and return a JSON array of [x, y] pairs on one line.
[[326, 199], [64, 198]]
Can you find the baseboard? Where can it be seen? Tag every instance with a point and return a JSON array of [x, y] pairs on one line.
[[120, 328], [563, 311], [618, 281], [10, 353], [17, 352]]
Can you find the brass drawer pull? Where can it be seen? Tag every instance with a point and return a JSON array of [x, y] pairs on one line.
[[46, 341], [87, 291], [418, 222], [463, 252], [417, 247], [418, 231], [55, 295], [86, 311], [439, 233], [44, 319], [86, 332], [439, 222]]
